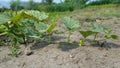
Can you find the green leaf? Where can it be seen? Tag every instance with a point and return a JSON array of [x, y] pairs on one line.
[[51, 27], [3, 18], [17, 38], [70, 23], [97, 28], [107, 36], [23, 15], [36, 37], [41, 27], [37, 14], [108, 31], [3, 28], [4, 33], [114, 37], [87, 33]]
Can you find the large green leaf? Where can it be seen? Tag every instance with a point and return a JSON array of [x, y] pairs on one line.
[[23, 15], [70, 23], [87, 33], [97, 28], [51, 27], [18, 38], [41, 27], [3, 18], [38, 14]]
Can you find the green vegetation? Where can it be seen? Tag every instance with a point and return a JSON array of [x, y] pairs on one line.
[[20, 27], [32, 24], [97, 29], [101, 6], [109, 14], [14, 51], [66, 5], [100, 2], [71, 25], [45, 29]]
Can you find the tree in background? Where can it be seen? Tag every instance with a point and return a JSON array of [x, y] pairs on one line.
[[76, 3], [116, 2], [64, 5], [2, 9], [30, 4], [100, 2], [49, 1], [15, 4], [43, 1]]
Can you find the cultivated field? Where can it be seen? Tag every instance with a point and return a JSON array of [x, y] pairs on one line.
[[58, 53]]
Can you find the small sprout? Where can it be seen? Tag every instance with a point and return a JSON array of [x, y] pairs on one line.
[[81, 43], [14, 52]]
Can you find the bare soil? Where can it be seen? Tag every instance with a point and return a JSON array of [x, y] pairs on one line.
[[68, 55]]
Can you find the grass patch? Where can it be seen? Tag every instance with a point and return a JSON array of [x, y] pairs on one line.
[[102, 6], [109, 14]]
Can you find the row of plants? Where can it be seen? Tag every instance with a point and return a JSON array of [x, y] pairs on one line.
[[97, 28], [29, 26]]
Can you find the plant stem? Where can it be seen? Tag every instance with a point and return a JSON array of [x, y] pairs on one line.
[[69, 34], [95, 37], [49, 38], [25, 41]]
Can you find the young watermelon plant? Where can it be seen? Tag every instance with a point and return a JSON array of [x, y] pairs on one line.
[[85, 34], [97, 29], [71, 25], [45, 29], [12, 28], [106, 33]]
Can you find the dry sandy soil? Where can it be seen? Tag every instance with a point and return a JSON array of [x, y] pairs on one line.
[[64, 55]]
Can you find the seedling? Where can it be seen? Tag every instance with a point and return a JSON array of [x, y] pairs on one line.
[[14, 51], [108, 35], [97, 29], [81, 43], [71, 25]]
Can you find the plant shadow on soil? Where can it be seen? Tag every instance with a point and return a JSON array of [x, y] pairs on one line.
[[65, 46], [40, 44], [105, 45], [44, 43], [108, 45]]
